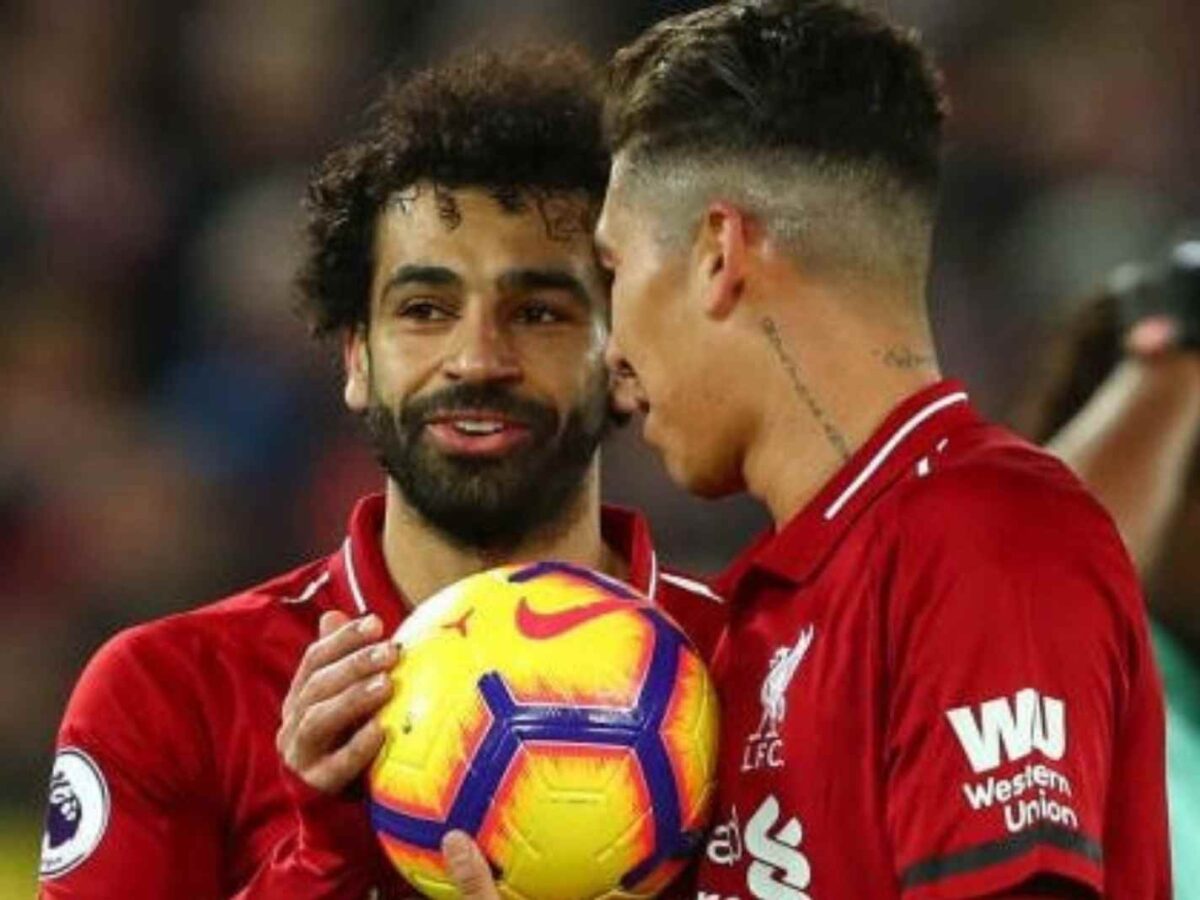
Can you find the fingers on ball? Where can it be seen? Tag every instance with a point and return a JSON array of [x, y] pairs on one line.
[[323, 722], [348, 638], [360, 666]]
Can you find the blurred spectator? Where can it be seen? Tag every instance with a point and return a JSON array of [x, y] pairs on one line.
[[267, 81]]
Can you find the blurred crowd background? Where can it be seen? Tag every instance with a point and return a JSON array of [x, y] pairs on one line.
[[169, 431]]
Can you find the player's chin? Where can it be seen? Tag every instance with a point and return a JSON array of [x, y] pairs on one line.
[[709, 487], [698, 475]]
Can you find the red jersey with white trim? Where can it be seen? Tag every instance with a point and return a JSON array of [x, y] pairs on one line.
[[167, 782], [936, 682]]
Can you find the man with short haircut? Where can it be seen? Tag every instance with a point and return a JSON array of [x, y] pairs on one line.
[[936, 679], [450, 255]]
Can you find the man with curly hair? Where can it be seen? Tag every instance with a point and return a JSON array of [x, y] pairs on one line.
[[450, 255]]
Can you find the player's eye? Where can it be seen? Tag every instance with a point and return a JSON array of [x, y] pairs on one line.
[[537, 312], [421, 310]]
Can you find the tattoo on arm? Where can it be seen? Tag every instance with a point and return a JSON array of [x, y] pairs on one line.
[[901, 357], [832, 434]]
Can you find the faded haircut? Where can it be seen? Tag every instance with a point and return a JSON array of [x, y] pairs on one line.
[[820, 119]]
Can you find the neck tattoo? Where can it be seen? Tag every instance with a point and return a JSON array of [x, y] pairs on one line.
[[901, 357], [832, 435]]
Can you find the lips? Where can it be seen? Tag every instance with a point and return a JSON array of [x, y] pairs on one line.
[[476, 432]]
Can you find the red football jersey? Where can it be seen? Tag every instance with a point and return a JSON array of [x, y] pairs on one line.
[[937, 682], [167, 782]]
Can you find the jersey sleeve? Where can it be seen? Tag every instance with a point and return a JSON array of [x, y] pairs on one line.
[[125, 813], [1024, 716], [128, 813]]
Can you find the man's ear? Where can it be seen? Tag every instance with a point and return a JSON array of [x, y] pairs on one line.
[[356, 357], [721, 251]]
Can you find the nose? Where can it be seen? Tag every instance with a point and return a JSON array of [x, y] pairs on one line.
[[483, 352]]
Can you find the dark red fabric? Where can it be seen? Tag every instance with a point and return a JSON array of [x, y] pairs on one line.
[[937, 682]]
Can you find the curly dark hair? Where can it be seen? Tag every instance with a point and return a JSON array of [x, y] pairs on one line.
[[525, 123], [819, 78]]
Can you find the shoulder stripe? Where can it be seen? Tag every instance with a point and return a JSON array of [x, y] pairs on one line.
[[689, 584], [359, 602], [887, 449], [1001, 851], [310, 590]]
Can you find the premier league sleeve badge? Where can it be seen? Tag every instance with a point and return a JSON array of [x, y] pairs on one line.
[[76, 813]]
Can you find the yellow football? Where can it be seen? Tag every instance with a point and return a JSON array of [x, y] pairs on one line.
[[558, 717]]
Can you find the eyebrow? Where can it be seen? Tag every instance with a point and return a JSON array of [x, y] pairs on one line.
[[544, 279], [438, 276]]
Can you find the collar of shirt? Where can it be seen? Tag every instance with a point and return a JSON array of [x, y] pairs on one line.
[[359, 577], [914, 429], [627, 533]]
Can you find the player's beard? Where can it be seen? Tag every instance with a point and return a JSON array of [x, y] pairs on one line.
[[491, 504]]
